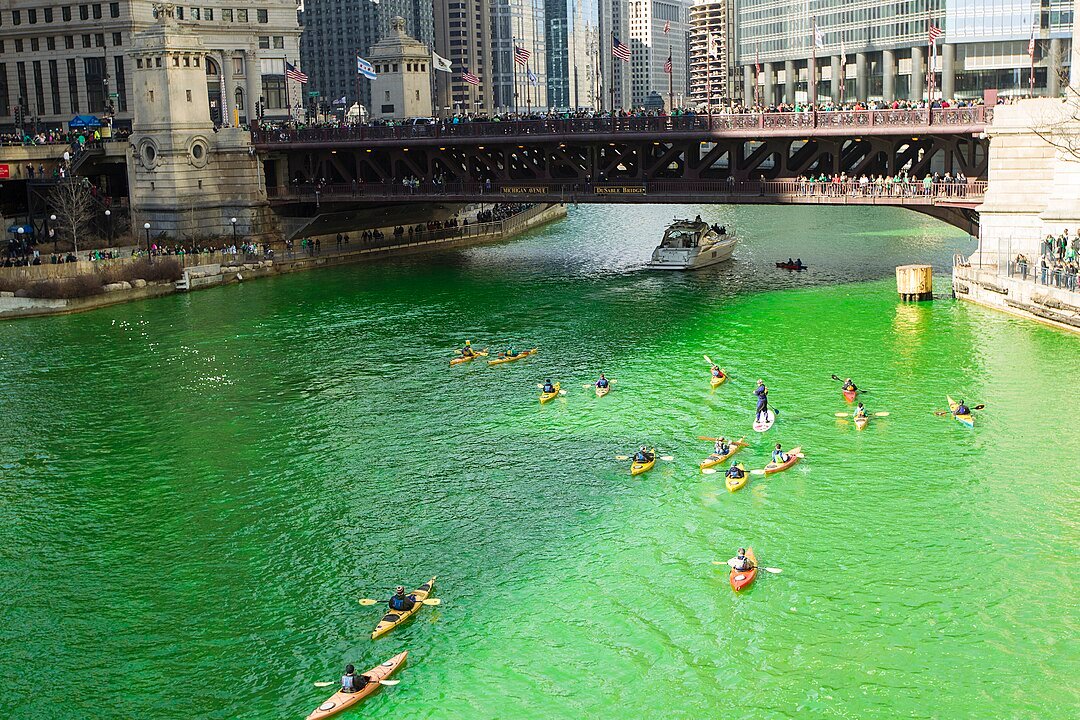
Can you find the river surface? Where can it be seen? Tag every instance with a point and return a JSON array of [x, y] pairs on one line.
[[195, 491]]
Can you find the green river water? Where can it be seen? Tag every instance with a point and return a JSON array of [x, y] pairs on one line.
[[194, 491]]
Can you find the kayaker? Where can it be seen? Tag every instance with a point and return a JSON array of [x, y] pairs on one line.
[[643, 455], [850, 386], [548, 387], [762, 393], [860, 411], [721, 447], [779, 457], [602, 382], [401, 602], [790, 262], [716, 372], [351, 682], [741, 563], [467, 351], [735, 471], [798, 262], [961, 409]]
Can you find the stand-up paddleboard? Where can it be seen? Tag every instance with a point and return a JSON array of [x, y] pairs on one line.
[[770, 418]]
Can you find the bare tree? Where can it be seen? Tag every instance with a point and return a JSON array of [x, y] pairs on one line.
[[74, 208]]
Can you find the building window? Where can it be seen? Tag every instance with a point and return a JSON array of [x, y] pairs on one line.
[[16, 17], [18, 45], [263, 15], [5, 96], [73, 86], [208, 14], [50, 43], [54, 86], [84, 12], [48, 16], [195, 14], [35, 46], [39, 88], [20, 73], [273, 91], [117, 39], [65, 13], [86, 41], [226, 15], [99, 40], [239, 98], [121, 83], [69, 42], [97, 12], [179, 13], [241, 16], [238, 66], [31, 16], [264, 42], [114, 10], [279, 42], [94, 68]]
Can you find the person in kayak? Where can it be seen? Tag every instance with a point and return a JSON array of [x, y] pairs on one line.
[[798, 262], [402, 602], [351, 682], [643, 455], [467, 351], [602, 382], [741, 563], [850, 386], [716, 371], [779, 457], [721, 447], [961, 409], [735, 471], [860, 412], [548, 387], [762, 393]]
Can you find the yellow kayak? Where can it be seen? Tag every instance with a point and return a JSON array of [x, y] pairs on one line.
[[394, 618], [340, 701], [734, 484], [544, 397], [714, 459], [469, 358], [861, 421], [602, 391], [512, 358], [964, 419], [718, 381], [638, 468]]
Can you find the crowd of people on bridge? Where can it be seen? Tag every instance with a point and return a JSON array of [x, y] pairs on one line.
[[900, 185]]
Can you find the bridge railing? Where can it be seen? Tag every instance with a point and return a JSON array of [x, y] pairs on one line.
[[854, 120], [790, 190]]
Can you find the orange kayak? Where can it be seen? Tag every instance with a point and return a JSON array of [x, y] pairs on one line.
[[793, 458], [342, 700], [469, 358], [738, 579]]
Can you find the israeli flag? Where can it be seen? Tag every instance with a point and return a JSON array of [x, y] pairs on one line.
[[533, 80], [363, 67]]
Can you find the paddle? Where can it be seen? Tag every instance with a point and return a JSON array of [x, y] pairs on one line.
[[774, 571], [426, 601], [665, 458], [737, 442], [391, 683], [592, 385], [877, 414], [940, 413], [862, 390]]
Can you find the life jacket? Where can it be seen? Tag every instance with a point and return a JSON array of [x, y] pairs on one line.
[[398, 602]]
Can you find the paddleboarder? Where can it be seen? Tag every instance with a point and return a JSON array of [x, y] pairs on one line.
[[762, 393]]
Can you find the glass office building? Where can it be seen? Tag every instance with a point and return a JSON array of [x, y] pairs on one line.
[[870, 49]]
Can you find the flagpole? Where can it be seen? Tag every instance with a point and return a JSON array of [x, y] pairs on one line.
[[612, 88], [670, 88], [813, 63], [1031, 55], [285, 77], [708, 76]]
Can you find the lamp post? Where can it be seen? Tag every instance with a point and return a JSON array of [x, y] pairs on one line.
[[108, 223], [233, 221], [146, 227], [21, 232], [52, 231]]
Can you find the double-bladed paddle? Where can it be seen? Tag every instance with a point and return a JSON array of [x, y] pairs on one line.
[[328, 683], [774, 571], [425, 601]]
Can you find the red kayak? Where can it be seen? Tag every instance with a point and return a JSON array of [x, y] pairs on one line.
[[785, 266], [850, 395], [739, 580]]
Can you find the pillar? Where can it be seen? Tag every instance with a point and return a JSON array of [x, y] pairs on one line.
[[812, 80], [834, 80], [253, 84], [789, 81], [888, 75], [948, 71], [1074, 69], [918, 74], [1053, 72], [748, 85], [770, 84], [862, 77]]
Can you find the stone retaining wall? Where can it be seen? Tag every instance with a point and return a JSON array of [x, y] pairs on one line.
[[1023, 298]]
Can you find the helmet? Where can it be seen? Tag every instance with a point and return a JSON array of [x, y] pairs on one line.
[[350, 668], [468, 342], [401, 588]]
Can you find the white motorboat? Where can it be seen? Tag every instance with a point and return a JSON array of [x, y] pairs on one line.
[[692, 244]]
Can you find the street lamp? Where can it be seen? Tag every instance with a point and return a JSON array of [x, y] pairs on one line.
[[52, 232], [233, 221], [108, 222], [146, 227]]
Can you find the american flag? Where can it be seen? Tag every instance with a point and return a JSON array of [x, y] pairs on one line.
[[469, 77], [620, 49], [667, 64], [521, 55], [934, 33], [293, 74], [667, 26]]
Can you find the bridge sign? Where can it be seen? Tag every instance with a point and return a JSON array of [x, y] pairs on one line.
[[619, 189]]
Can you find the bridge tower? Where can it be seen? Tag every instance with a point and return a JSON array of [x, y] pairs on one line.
[[187, 178]]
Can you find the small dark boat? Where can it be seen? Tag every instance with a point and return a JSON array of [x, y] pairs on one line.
[[792, 266]]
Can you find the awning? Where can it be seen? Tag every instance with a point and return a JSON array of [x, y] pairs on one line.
[[27, 229]]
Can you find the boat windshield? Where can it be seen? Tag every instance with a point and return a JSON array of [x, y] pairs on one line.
[[681, 237]]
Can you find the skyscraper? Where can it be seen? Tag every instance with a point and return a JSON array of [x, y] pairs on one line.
[[613, 24], [463, 36], [658, 31], [335, 31], [570, 29], [709, 52]]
